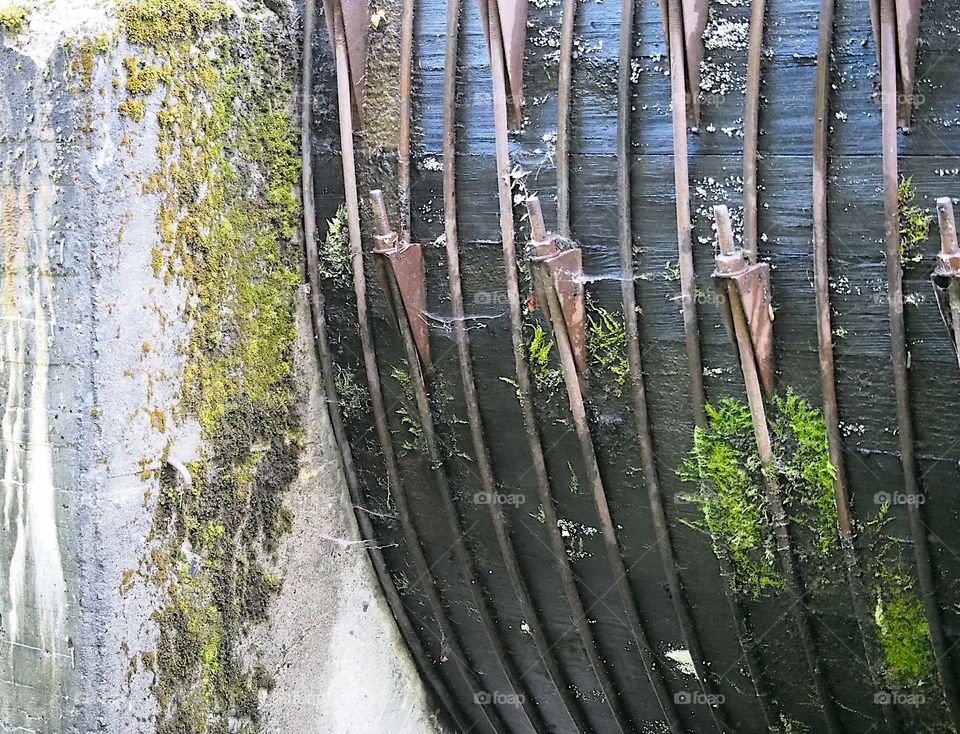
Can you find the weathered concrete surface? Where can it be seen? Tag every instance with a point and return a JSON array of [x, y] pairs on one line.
[[93, 350]]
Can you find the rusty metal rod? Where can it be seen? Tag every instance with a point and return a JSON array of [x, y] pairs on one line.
[[569, 14], [406, 96], [319, 322], [948, 246], [475, 419], [524, 386], [751, 131], [425, 577], [898, 355], [859, 594], [634, 357], [751, 380], [592, 468], [681, 173], [461, 554]]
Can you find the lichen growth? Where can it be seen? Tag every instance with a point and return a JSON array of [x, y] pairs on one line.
[[725, 466], [607, 347], [547, 377], [135, 109], [228, 218], [14, 18], [335, 260], [914, 224]]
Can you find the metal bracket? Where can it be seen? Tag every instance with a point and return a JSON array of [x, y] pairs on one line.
[[907, 29], [752, 286], [693, 19], [405, 261], [564, 267], [511, 18], [946, 275], [356, 24]]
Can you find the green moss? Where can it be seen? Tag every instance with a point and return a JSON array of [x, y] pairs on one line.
[[546, 376], [228, 223], [607, 347], [902, 630], [134, 109], [725, 466], [914, 224], [154, 22], [335, 261], [354, 399], [14, 18]]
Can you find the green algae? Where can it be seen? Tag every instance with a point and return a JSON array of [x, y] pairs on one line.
[[228, 222]]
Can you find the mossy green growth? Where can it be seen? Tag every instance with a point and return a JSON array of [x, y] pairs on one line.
[[154, 22], [802, 432], [335, 261], [547, 377], [14, 18], [914, 224], [726, 468], [902, 630], [353, 396], [725, 465], [228, 222], [607, 347]]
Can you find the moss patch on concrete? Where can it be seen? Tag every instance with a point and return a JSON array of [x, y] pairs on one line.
[[228, 223], [725, 467]]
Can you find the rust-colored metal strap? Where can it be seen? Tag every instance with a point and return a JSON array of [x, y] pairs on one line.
[[946, 275], [405, 261], [898, 356], [509, 43], [781, 523], [355, 19], [906, 29]]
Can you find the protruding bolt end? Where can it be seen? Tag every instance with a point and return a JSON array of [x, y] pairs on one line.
[[537, 228], [380, 213], [948, 226]]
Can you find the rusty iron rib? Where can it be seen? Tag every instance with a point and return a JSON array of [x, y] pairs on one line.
[[755, 399], [406, 95], [592, 468], [524, 386], [569, 15], [635, 360], [946, 275], [319, 323], [751, 131], [898, 355], [411, 536], [821, 277], [478, 594], [688, 276], [475, 419]]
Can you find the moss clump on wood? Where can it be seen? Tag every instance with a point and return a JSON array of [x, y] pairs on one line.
[[228, 219], [914, 224], [336, 264], [903, 631], [547, 377], [732, 496], [14, 18], [607, 347]]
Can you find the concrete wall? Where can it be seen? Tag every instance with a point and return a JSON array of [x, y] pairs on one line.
[[94, 348]]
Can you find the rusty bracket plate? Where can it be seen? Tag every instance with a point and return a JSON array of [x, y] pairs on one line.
[[564, 267], [752, 285], [907, 29], [512, 20], [693, 21], [356, 25], [405, 260], [946, 275]]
